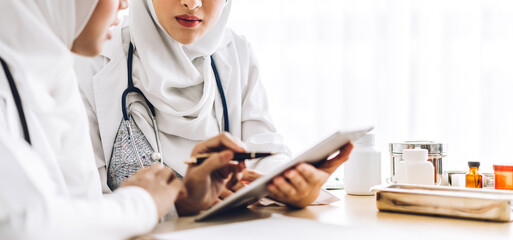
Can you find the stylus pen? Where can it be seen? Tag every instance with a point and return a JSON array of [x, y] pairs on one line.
[[198, 159]]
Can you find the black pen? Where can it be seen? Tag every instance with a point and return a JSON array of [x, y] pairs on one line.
[[237, 157]]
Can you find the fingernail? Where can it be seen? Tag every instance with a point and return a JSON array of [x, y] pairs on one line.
[[226, 155], [301, 167], [243, 145], [279, 179], [124, 4]]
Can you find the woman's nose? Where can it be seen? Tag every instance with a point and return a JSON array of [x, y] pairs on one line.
[[192, 4]]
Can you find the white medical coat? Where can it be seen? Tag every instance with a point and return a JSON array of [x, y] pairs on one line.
[[35, 200]]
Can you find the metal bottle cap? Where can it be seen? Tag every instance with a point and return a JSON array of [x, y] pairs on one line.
[[474, 164], [431, 146]]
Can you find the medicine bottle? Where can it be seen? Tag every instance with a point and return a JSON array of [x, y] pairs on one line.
[[503, 176], [415, 168], [474, 179], [363, 169]]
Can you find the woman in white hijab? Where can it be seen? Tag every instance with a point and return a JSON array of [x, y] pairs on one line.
[[172, 65], [49, 185]]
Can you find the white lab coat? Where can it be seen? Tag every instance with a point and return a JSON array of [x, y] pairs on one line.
[[51, 189], [103, 79], [37, 203]]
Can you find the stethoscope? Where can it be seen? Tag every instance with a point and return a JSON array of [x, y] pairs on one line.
[[17, 101], [157, 156]]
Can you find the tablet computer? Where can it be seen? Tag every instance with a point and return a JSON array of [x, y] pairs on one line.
[[258, 188]]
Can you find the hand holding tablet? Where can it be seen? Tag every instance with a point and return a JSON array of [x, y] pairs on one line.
[[301, 185], [258, 188]]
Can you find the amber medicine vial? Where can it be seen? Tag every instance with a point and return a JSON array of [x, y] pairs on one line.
[[474, 179]]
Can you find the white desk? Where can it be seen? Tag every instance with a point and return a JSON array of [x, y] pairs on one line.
[[353, 216]]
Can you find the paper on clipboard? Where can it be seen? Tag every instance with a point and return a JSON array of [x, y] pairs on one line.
[[325, 197]]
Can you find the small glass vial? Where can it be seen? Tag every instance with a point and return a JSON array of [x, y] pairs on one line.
[[474, 179]]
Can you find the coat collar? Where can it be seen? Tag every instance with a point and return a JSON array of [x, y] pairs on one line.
[[112, 48], [109, 84]]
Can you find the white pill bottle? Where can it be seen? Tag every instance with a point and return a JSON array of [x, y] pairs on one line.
[[363, 169], [415, 168]]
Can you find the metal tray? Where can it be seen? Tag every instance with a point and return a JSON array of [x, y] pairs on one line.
[[480, 204]]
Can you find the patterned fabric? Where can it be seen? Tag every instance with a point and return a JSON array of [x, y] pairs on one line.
[[130, 152]]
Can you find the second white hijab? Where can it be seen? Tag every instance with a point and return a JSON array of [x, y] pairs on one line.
[[177, 79]]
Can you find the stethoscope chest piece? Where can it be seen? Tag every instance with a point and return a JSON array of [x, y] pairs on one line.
[[156, 156]]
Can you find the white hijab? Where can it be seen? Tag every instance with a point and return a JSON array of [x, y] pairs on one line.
[[35, 41], [177, 79]]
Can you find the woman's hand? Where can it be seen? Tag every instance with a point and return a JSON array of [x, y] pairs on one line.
[[300, 186], [204, 183], [160, 183], [245, 177]]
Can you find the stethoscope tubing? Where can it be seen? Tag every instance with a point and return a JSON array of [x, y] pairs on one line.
[[17, 101], [132, 89], [223, 97]]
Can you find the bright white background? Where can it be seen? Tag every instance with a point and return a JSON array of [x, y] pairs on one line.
[[418, 70]]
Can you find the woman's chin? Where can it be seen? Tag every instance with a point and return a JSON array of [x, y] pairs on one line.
[[186, 39], [90, 51]]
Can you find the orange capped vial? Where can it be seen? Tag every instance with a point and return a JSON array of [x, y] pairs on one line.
[[503, 176], [474, 179]]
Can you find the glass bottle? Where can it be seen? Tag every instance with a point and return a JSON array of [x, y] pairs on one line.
[[474, 179]]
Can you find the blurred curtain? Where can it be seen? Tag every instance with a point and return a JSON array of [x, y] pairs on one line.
[[415, 69]]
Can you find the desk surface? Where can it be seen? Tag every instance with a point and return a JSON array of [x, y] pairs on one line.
[[360, 212]]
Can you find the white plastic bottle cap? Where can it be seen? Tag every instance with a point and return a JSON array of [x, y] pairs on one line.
[[367, 140], [415, 155]]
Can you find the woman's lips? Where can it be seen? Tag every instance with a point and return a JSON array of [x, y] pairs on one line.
[[188, 21]]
